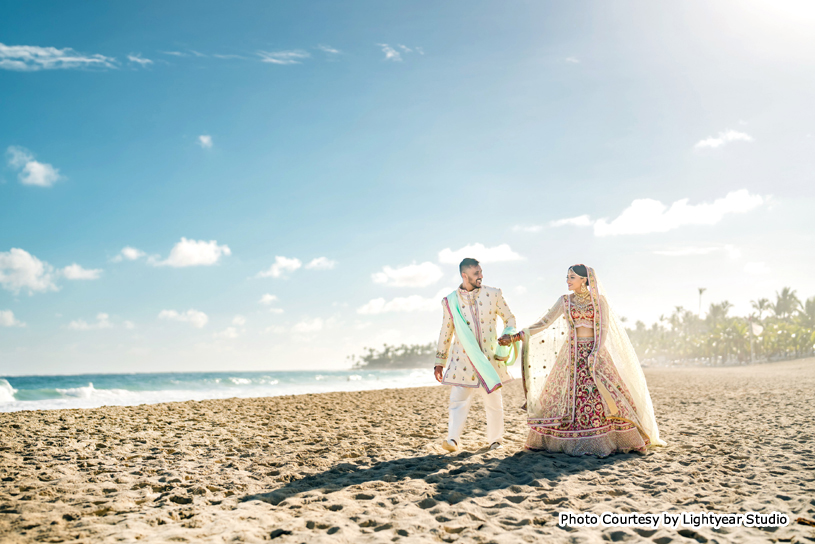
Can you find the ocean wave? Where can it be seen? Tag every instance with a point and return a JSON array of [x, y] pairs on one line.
[[62, 392], [6, 391]]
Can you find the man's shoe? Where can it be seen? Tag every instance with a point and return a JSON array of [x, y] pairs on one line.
[[449, 445], [495, 446]]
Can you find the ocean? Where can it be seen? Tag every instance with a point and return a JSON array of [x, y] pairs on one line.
[[94, 390]]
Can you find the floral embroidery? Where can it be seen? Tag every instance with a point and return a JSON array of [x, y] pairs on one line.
[[582, 315], [480, 313], [587, 415]]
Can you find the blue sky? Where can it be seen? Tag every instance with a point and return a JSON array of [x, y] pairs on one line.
[[669, 146]]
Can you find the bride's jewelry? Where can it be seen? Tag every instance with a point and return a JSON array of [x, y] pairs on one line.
[[583, 296]]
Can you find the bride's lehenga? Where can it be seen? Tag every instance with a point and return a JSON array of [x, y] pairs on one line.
[[593, 400]]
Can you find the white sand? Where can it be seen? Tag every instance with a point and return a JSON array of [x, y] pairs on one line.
[[366, 467]]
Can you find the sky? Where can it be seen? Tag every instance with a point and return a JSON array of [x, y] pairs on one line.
[[207, 185]]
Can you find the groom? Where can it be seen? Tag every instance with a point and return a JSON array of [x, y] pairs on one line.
[[471, 313]]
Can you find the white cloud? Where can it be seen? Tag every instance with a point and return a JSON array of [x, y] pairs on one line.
[[205, 141], [7, 319], [307, 326], [328, 49], [501, 253], [321, 263], [239, 320], [521, 290], [229, 332], [280, 267], [138, 59], [268, 299], [76, 272], [102, 322], [129, 325], [723, 138], [30, 58], [732, 251], [647, 215], [530, 228], [193, 253], [572, 60], [413, 303], [129, 254], [31, 172], [21, 270], [196, 318], [283, 57], [757, 269], [390, 53], [18, 156], [579, 221], [412, 275], [405, 48]]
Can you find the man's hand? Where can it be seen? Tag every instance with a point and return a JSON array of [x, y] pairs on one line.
[[437, 372], [505, 340]]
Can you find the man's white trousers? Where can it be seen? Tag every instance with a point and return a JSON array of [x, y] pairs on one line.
[[460, 400]]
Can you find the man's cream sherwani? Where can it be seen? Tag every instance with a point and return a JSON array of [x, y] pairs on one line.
[[480, 308]]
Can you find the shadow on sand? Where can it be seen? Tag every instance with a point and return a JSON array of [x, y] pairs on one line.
[[455, 477]]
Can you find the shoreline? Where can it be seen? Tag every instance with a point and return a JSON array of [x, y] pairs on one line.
[[177, 395], [367, 466], [92, 391]]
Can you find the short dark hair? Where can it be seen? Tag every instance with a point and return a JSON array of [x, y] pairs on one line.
[[467, 263]]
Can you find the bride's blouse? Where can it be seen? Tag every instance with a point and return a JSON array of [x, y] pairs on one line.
[[581, 314]]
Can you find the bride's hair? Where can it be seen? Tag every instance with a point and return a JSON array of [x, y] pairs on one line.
[[580, 270]]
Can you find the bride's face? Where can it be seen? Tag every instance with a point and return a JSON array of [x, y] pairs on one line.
[[574, 281]]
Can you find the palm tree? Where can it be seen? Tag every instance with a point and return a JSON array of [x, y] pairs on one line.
[[701, 290], [786, 303], [761, 305], [718, 312], [808, 314]]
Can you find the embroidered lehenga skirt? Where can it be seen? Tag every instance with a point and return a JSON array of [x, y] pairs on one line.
[[574, 417]]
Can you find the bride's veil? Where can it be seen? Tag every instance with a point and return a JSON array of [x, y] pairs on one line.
[[539, 355], [625, 360]]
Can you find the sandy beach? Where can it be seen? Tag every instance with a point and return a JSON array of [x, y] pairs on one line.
[[367, 467]]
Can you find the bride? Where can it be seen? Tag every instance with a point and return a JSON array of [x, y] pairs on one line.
[[586, 393]]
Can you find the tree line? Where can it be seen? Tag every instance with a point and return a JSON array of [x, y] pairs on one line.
[[780, 329]]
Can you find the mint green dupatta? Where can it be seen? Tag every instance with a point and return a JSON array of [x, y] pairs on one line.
[[481, 364], [507, 354]]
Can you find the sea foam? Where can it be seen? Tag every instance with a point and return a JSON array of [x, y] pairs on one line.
[[94, 390], [6, 392]]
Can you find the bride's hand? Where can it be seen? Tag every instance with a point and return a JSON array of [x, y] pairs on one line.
[[505, 340]]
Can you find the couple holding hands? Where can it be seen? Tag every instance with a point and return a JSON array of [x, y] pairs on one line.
[[585, 390]]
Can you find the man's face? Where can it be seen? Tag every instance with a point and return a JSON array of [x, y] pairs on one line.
[[473, 275]]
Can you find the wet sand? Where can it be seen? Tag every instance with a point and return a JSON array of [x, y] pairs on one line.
[[368, 467]]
